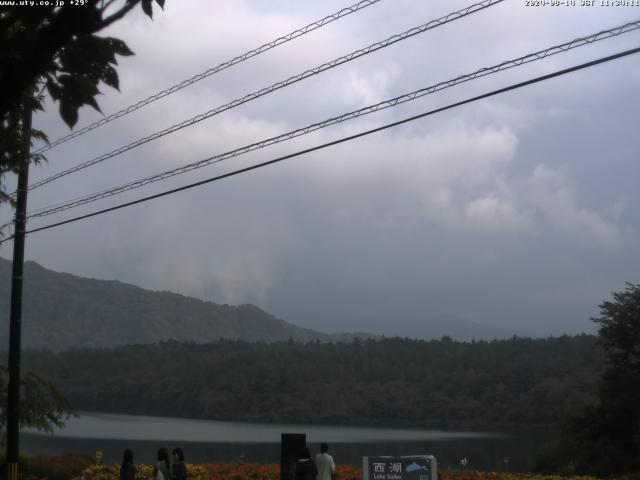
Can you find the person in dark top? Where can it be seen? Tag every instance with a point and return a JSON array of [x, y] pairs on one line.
[[127, 469], [178, 469], [305, 467]]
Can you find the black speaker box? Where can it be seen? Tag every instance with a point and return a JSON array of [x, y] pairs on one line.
[[291, 444]]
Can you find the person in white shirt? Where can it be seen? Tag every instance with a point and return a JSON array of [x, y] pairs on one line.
[[324, 462]]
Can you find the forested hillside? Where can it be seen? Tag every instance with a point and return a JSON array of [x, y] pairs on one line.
[[62, 311], [386, 382]]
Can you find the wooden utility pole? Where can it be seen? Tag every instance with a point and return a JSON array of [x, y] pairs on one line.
[[15, 325]]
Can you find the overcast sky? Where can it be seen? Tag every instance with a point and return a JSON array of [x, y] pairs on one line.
[[521, 210]]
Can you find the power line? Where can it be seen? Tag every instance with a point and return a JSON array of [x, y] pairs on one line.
[[539, 55], [278, 85], [211, 71], [342, 140]]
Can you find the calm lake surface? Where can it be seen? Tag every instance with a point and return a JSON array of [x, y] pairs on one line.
[[204, 440]]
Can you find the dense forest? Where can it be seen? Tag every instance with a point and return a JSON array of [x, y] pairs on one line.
[[392, 381]]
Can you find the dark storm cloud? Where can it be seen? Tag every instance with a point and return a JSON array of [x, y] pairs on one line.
[[518, 211]]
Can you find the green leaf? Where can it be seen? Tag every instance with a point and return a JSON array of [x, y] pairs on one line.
[[119, 47], [110, 77], [69, 113], [92, 102], [77, 91], [87, 55], [54, 89], [38, 158], [39, 135], [146, 7]]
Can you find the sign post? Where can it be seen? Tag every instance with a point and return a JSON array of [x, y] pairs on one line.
[[411, 467]]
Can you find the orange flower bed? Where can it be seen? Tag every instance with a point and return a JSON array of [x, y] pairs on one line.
[[474, 475], [213, 471], [50, 468]]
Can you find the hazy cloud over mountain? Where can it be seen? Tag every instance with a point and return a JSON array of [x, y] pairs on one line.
[[519, 211]]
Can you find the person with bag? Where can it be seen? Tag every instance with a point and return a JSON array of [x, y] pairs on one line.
[[162, 468], [305, 467]]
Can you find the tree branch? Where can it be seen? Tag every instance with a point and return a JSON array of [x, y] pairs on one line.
[[119, 14]]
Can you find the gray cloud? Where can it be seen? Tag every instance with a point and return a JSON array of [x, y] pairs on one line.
[[518, 211]]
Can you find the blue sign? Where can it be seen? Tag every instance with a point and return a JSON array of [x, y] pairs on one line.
[[412, 467]]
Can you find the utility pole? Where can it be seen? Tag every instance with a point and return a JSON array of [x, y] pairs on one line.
[[15, 325]]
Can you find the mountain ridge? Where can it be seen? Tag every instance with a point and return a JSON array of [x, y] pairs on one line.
[[62, 310]]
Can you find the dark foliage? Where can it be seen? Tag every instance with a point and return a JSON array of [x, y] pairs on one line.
[[387, 382], [55, 50], [62, 467], [603, 438], [42, 406]]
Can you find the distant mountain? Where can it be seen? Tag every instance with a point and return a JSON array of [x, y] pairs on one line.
[[458, 328], [430, 326], [61, 311]]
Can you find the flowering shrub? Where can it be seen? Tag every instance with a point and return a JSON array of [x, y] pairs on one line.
[[211, 471], [143, 472], [242, 470], [235, 471], [62, 467], [473, 475]]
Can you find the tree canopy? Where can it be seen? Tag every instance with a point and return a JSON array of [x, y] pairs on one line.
[[42, 406], [610, 431], [390, 382], [604, 437], [54, 50]]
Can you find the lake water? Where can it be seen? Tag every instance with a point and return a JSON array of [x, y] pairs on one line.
[[211, 441]]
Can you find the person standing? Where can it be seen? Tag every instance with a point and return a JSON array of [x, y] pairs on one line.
[[179, 469], [324, 463], [305, 467], [127, 469], [162, 469]]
